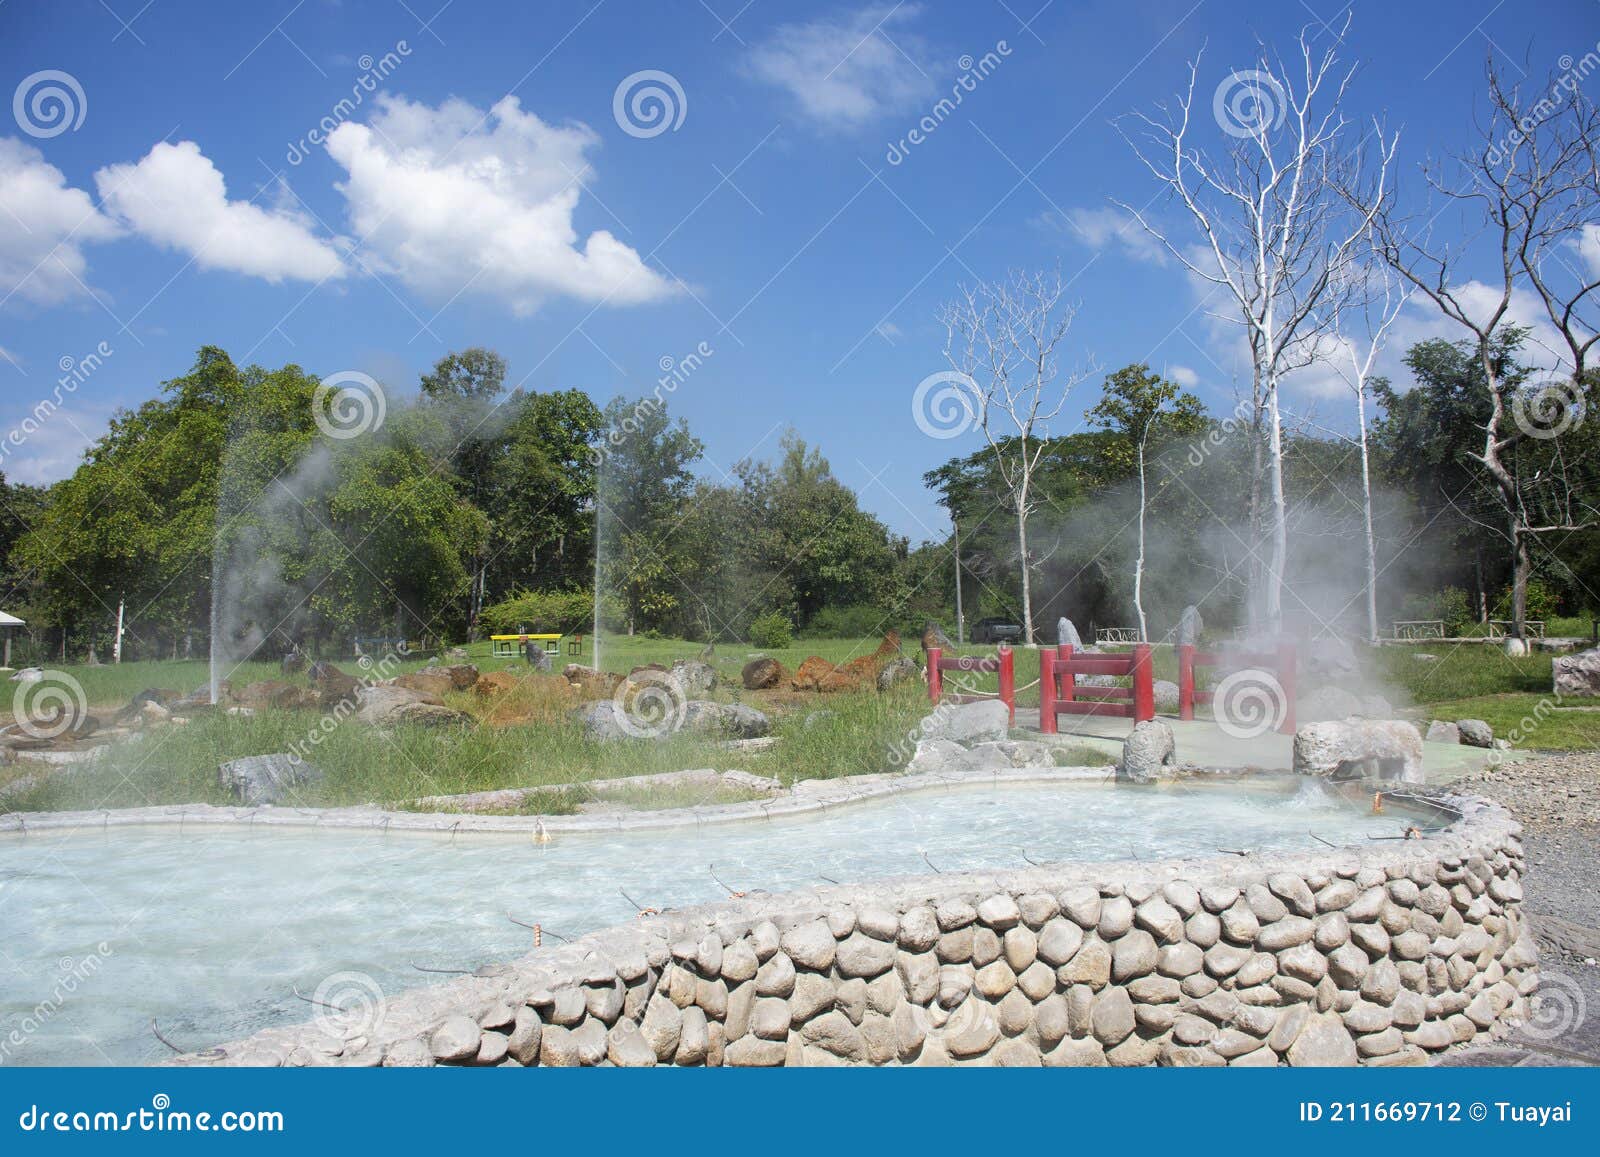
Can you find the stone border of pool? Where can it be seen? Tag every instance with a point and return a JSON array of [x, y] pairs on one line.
[[1381, 954]]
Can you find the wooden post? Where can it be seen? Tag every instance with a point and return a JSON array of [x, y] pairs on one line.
[[1068, 679], [1047, 691], [1008, 682], [1186, 681], [935, 682], [1144, 689]]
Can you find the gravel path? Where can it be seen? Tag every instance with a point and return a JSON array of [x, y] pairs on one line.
[[1557, 797]]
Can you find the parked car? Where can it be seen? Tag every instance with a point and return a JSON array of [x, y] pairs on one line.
[[996, 630]]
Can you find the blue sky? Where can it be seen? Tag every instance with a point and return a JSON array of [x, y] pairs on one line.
[[486, 190]]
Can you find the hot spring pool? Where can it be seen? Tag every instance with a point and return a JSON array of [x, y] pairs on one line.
[[210, 930]]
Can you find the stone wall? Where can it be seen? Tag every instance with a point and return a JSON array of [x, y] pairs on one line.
[[1383, 955]]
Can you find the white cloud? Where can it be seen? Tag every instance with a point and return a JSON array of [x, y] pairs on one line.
[[175, 197], [44, 222], [43, 450], [1099, 229], [847, 71], [1184, 376], [452, 199]]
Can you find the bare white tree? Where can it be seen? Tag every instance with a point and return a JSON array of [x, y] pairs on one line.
[[1002, 337], [1273, 230], [1531, 184], [1361, 317]]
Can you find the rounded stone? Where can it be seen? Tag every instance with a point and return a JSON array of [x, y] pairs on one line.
[[812, 946], [456, 1038], [1111, 1019], [1020, 947], [1202, 929], [919, 929], [1134, 955], [739, 961], [1323, 1042], [1081, 904], [1160, 919], [1058, 940], [999, 912], [1116, 917], [776, 976], [1181, 960]]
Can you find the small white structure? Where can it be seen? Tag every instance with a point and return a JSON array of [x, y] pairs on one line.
[[8, 626]]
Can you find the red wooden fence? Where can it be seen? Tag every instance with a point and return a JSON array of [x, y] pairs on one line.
[[1000, 663], [1059, 693], [1278, 664]]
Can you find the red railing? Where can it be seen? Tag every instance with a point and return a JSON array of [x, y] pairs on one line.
[[1278, 664], [1059, 693], [1000, 663]]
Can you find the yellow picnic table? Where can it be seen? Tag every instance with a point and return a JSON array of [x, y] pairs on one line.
[[510, 646]]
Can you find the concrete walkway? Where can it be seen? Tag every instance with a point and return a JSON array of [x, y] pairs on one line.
[[1202, 742]]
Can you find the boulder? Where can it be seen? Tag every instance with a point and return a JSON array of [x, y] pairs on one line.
[[1360, 748], [1148, 749], [967, 723], [901, 670], [1475, 732], [425, 682], [1331, 655], [266, 779], [1441, 732], [1166, 695], [733, 719], [28, 675], [385, 705], [695, 676], [1576, 674], [762, 674], [933, 636], [599, 720], [1190, 624]]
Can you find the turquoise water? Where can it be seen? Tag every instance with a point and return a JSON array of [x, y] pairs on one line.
[[210, 930]]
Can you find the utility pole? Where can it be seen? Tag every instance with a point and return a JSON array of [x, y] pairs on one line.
[[961, 621], [116, 647]]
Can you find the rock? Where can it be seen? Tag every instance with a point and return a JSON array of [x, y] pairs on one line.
[[1385, 749], [1330, 655], [599, 721], [811, 946], [933, 636], [526, 1031], [627, 1049], [972, 1030], [1111, 1019], [733, 719], [266, 779], [753, 1052], [462, 676], [386, 706], [1067, 633], [1190, 624], [1475, 733], [967, 723], [1134, 955], [1148, 750], [1059, 939], [999, 912], [695, 676], [1166, 695], [1441, 732], [1576, 675], [1324, 1042], [434, 686], [902, 670], [862, 956], [455, 1039], [763, 674]]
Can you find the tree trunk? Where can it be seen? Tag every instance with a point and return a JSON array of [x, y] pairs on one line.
[[1027, 583], [1273, 602], [1138, 565]]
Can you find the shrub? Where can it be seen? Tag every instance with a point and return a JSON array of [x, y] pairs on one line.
[[1452, 605], [1543, 601], [855, 622], [771, 631], [570, 612]]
